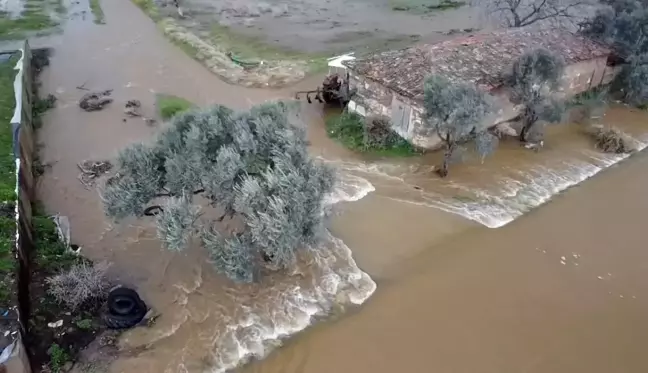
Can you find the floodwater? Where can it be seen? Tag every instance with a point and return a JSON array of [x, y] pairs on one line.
[[328, 25], [560, 288]]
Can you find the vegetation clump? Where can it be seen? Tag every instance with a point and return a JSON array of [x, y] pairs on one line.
[[423, 7], [170, 105], [612, 140], [97, 12], [457, 113], [621, 24], [371, 135], [82, 284], [37, 16], [252, 168]]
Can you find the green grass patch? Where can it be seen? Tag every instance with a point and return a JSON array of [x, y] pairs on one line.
[[53, 256], [59, 357], [169, 105], [7, 179], [35, 17], [149, 8], [251, 48], [424, 6], [97, 12], [84, 324], [349, 129]]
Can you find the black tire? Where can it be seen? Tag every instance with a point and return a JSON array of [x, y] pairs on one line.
[[122, 301], [113, 321], [121, 305]]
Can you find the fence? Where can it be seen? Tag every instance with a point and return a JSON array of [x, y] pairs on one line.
[[23, 142], [23, 147]]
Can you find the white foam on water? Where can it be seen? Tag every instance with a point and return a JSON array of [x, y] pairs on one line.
[[516, 197], [339, 282]]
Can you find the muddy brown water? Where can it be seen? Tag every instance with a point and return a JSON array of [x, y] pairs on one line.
[[560, 288]]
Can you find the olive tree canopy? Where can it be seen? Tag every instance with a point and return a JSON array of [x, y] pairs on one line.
[[253, 167], [456, 112], [532, 80]]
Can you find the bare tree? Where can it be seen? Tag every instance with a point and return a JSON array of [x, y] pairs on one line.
[[532, 80], [251, 167], [521, 13], [456, 113]]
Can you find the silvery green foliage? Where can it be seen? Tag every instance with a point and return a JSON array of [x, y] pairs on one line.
[[456, 112], [534, 73], [175, 222], [634, 80], [623, 24], [532, 79], [231, 255], [251, 165]]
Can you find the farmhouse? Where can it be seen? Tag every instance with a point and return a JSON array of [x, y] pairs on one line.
[[391, 83]]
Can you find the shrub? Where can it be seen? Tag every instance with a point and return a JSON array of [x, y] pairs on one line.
[[82, 285], [169, 105], [612, 140], [368, 135]]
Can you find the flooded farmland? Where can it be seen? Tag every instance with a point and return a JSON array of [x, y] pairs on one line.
[[487, 271]]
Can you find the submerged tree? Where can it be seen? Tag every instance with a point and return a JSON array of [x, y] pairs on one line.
[[456, 113], [533, 78], [251, 166]]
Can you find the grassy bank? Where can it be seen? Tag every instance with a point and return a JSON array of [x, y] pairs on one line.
[[256, 49], [7, 182], [350, 130], [223, 47], [36, 17], [51, 348], [97, 12], [423, 6]]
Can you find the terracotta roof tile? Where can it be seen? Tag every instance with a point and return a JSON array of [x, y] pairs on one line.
[[479, 58]]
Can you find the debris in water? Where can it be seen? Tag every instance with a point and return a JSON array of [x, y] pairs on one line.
[[63, 229], [600, 277], [95, 101], [91, 170], [133, 108], [57, 324]]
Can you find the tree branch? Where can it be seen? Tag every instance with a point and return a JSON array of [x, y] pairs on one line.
[[169, 194]]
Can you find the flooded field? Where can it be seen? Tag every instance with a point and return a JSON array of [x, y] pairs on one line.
[[558, 289], [329, 25]]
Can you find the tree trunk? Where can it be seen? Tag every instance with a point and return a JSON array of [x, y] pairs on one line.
[[523, 132], [529, 119], [443, 171]]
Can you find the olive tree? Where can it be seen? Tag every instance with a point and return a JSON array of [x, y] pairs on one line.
[[532, 80], [456, 113], [241, 182], [623, 24]]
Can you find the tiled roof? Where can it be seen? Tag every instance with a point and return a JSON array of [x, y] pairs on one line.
[[479, 58]]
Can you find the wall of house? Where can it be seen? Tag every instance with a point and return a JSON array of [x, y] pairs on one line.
[[375, 99]]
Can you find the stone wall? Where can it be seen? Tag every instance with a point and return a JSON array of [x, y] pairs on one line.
[[373, 98]]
